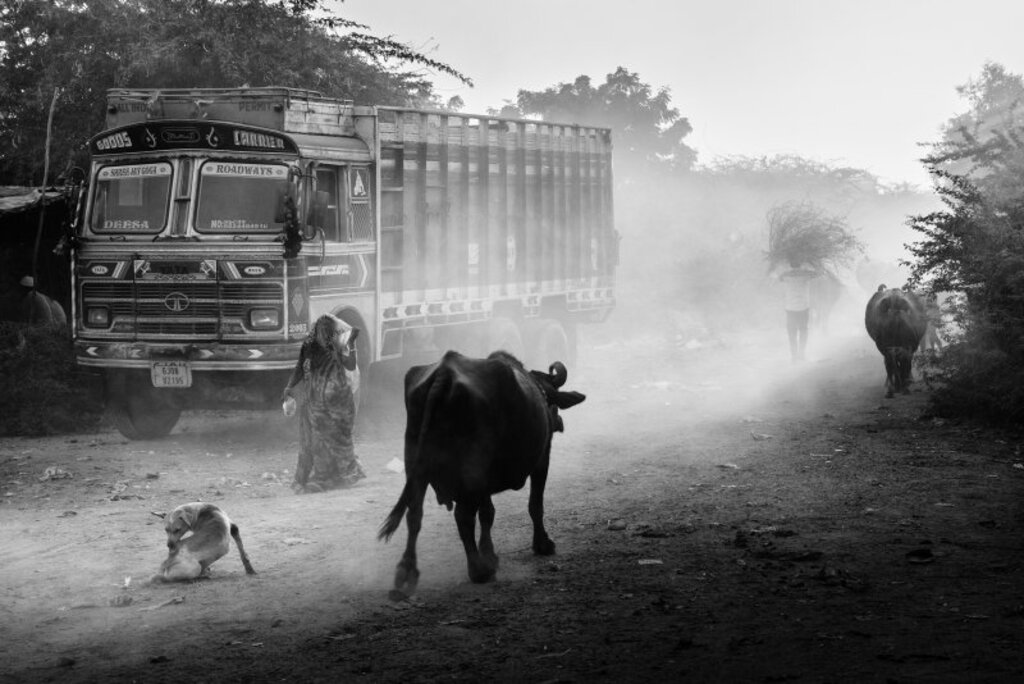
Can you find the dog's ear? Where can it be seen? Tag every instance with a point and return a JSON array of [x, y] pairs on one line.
[[161, 515], [187, 514]]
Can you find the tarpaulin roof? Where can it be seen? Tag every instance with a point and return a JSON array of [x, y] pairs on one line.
[[14, 198]]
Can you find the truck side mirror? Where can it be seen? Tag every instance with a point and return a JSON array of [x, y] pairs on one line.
[[281, 206], [317, 212]]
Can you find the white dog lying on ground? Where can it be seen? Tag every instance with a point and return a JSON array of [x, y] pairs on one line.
[[190, 557]]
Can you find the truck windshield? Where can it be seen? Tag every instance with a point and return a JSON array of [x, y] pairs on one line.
[[237, 197], [132, 198]]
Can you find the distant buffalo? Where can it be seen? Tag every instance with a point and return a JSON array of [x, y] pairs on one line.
[[826, 290], [896, 320]]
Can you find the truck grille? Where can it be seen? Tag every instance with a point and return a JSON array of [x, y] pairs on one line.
[[190, 309]]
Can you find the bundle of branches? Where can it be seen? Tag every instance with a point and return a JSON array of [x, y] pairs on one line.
[[803, 232]]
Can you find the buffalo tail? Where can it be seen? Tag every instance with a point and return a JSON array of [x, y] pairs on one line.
[[394, 518]]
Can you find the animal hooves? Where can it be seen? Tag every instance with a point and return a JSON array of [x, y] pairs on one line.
[[482, 576], [407, 576], [483, 569], [544, 548]]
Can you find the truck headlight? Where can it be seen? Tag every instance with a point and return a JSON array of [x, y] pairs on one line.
[[97, 317], [264, 319]]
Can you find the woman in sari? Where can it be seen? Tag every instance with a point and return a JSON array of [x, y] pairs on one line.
[[327, 459]]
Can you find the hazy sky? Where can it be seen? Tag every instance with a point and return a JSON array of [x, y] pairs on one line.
[[856, 83]]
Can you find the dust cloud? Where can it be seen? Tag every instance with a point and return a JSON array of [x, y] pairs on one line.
[[694, 279]]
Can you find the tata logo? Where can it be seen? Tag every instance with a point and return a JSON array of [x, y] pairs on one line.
[[99, 269], [254, 270], [179, 136], [177, 301]]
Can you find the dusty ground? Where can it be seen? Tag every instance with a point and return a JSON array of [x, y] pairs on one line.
[[720, 515]]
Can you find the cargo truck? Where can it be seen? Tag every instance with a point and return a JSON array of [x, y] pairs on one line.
[[218, 224]]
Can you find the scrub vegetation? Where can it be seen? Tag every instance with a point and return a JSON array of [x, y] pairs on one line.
[[974, 248], [44, 392]]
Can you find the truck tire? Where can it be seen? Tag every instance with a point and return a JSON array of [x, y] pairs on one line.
[[135, 420], [137, 411], [547, 342], [503, 334]]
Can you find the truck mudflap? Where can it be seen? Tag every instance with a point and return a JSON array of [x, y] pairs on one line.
[[211, 356]]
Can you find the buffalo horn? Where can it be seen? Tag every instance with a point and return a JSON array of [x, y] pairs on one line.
[[558, 373]]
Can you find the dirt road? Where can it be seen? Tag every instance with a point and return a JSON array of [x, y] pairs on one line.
[[720, 515]]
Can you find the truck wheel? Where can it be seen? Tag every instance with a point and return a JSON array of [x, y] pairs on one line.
[[135, 422], [503, 334], [548, 342], [138, 413]]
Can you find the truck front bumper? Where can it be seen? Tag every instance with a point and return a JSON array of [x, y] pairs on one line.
[[202, 356]]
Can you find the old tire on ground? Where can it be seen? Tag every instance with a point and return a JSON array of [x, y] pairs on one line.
[[548, 341], [502, 334]]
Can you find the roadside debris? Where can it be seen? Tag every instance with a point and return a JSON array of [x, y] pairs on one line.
[[118, 491], [169, 602], [651, 531], [293, 541], [920, 556], [55, 473]]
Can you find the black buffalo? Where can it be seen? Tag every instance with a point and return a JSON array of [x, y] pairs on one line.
[[896, 320], [476, 427]]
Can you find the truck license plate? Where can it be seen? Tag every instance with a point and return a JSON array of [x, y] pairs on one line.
[[171, 374]]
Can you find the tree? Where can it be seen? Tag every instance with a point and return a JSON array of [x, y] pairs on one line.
[[84, 47], [975, 246], [647, 130]]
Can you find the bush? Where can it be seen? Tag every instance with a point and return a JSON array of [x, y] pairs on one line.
[[977, 382], [44, 392], [980, 373], [975, 248]]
